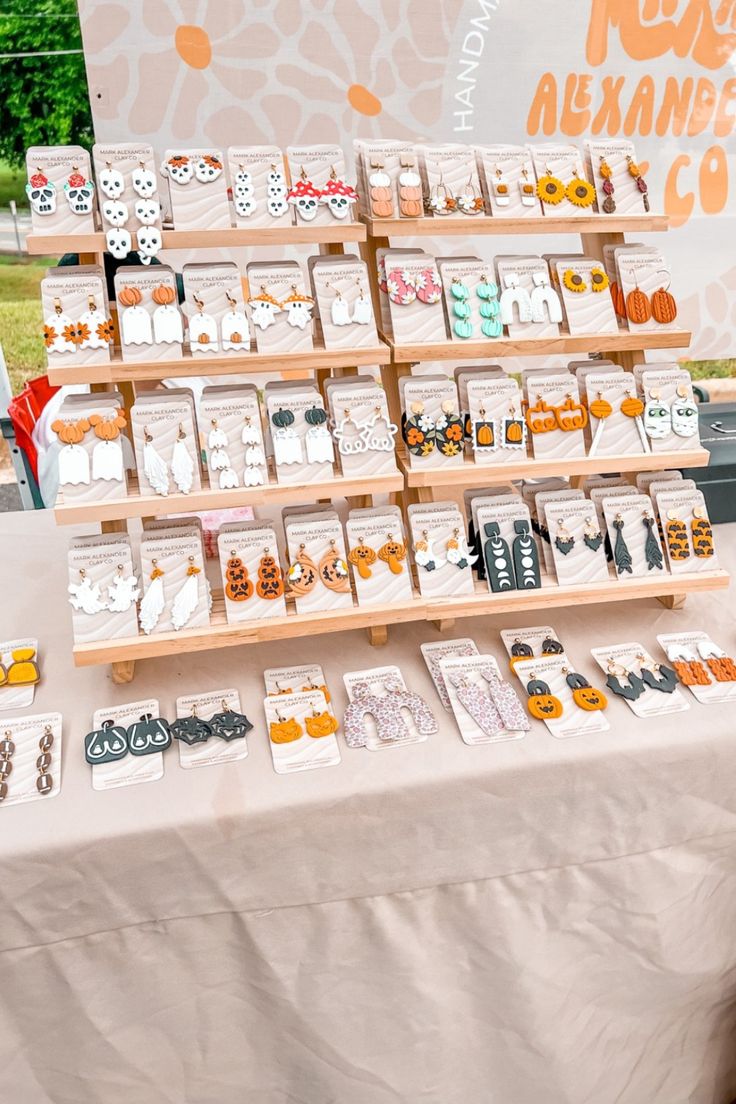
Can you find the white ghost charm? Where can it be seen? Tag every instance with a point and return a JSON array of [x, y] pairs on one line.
[[152, 605], [182, 465], [135, 322], [264, 308], [234, 327], [252, 476], [219, 459], [208, 168], [202, 330], [319, 443], [85, 595], [59, 331], [143, 181], [73, 466], [41, 194], [298, 308], [96, 325], [228, 478], [107, 461], [287, 446], [123, 591], [362, 310], [340, 311], [186, 598], [154, 466], [168, 327], [111, 181]]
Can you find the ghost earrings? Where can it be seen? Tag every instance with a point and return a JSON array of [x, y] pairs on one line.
[[86, 596], [319, 442], [298, 308], [219, 459], [107, 455], [287, 444], [340, 309], [264, 309], [255, 457], [135, 323], [167, 322], [202, 329], [424, 555], [234, 326], [73, 460], [123, 591]]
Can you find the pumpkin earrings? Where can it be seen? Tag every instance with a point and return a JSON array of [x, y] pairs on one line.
[[392, 553], [640, 308], [584, 695], [270, 583], [541, 703], [490, 308]]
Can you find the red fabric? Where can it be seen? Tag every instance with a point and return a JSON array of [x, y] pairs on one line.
[[24, 411]]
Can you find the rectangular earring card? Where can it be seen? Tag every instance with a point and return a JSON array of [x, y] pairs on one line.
[[149, 320], [702, 665], [127, 769], [551, 697], [486, 708], [437, 650], [77, 323], [378, 731], [301, 731], [510, 554], [576, 542], [441, 555], [634, 675], [217, 324], [634, 536], [378, 556], [103, 587], [60, 190], [253, 580], [30, 758], [198, 188], [509, 182], [343, 295], [175, 590], [688, 533], [232, 745], [259, 184], [318, 577], [364, 433]]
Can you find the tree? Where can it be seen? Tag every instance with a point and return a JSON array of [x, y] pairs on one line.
[[45, 98]]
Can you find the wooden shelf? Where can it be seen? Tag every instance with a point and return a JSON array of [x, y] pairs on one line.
[[474, 225], [325, 234], [470, 474], [121, 371], [221, 635], [494, 348], [137, 505]]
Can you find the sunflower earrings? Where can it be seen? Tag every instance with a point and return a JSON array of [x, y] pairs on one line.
[[579, 191]]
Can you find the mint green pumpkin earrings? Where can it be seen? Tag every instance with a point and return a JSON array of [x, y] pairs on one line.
[[489, 309], [462, 326]]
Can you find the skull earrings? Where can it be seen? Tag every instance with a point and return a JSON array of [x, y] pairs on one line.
[[338, 196], [41, 194], [244, 194], [277, 203], [305, 198], [79, 192]]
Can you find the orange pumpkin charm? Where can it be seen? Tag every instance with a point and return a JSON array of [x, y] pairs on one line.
[[163, 295], [541, 418], [664, 307], [270, 582], [632, 407], [571, 415], [619, 303], [70, 433], [362, 557], [392, 553], [638, 309], [239, 586], [129, 296], [108, 429], [600, 408]]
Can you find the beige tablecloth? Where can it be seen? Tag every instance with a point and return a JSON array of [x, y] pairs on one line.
[[539, 921]]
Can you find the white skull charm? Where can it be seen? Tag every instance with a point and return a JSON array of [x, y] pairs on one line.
[[115, 212], [149, 241], [118, 242], [41, 194], [243, 183], [79, 193], [208, 168], [338, 196], [305, 197], [144, 182], [111, 182], [244, 206], [147, 211], [179, 168]]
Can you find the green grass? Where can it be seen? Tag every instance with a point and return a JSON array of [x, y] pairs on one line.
[[21, 318], [12, 186], [710, 369]]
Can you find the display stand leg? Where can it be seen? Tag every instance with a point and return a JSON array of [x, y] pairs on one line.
[[444, 625], [673, 601], [123, 671], [377, 635]]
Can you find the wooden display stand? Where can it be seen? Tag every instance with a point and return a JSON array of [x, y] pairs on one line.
[[596, 230]]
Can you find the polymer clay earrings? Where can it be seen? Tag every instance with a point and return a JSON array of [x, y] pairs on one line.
[[490, 308], [702, 532], [621, 553], [641, 183], [652, 551], [608, 205], [541, 702]]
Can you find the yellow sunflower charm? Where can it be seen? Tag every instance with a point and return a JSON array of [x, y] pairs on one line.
[[573, 281], [598, 279], [580, 191], [550, 189]]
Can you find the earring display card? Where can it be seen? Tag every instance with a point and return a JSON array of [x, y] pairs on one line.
[[433, 430], [364, 433], [318, 577], [103, 588], [535, 638], [508, 180], [149, 319], [415, 298], [437, 650], [216, 318], [634, 536], [555, 416], [576, 542], [213, 750], [541, 501], [701, 665], [451, 180], [27, 734], [343, 296], [644, 480], [516, 279], [667, 484], [260, 184], [21, 672], [198, 189], [77, 324], [628, 198], [230, 417], [90, 438], [618, 662], [511, 558], [498, 429], [175, 594], [552, 672], [390, 185], [645, 283], [252, 575], [301, 732], [378, 555], [612, 431], [60, 190], [562, 182], [471, 300], [280, 307], [303, 676], [126, 173], [671, 412], [585, 293], [441, 554], [166, 447], [598, 496], [130, 769], [375, 729], [384, 303], [474, 705], [688, 534], [304, 449], [320, 192]]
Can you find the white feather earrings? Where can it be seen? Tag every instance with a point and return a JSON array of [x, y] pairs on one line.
[[152, 605], [154, 465], [182, 465], [187, 596]]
